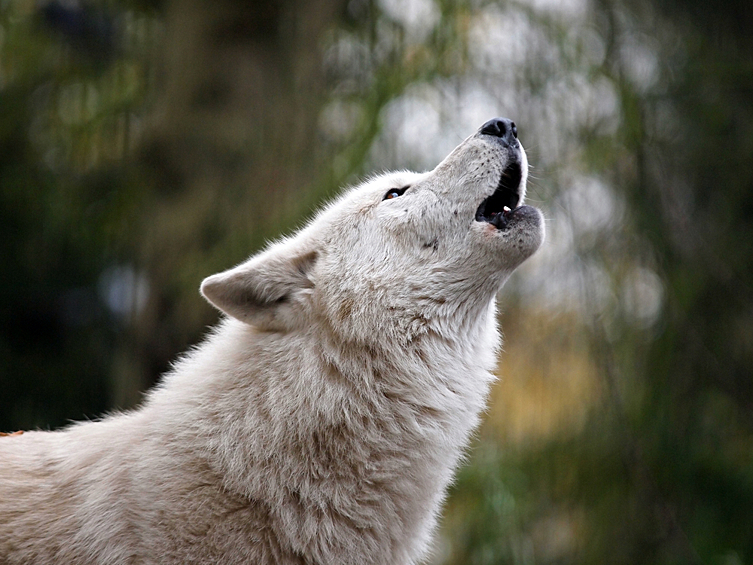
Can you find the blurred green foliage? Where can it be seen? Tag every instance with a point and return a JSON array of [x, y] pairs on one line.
[[145, 145], [65, 206]]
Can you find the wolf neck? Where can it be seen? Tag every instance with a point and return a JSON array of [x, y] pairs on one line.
[[296, 409]]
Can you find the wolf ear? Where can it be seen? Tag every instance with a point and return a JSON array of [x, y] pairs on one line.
[[268, 291]]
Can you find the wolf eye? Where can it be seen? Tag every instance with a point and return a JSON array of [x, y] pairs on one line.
[[395, 192]]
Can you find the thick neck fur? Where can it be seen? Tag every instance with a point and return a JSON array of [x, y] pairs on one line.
[[349, 437]]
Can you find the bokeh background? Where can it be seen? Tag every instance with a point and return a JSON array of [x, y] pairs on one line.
[[145, 144]]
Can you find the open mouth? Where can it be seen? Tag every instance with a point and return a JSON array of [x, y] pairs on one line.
[[497, 208]]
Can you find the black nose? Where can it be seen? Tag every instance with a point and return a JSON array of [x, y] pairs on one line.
[[501, 127]]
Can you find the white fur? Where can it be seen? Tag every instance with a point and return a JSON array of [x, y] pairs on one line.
[[322, 421]]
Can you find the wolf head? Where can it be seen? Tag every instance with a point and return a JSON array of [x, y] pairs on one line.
[[400, 255]]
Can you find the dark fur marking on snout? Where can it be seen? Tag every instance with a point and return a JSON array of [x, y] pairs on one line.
[[434, 244]]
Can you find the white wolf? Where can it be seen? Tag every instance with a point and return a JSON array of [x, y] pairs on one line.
[[321, 422]]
